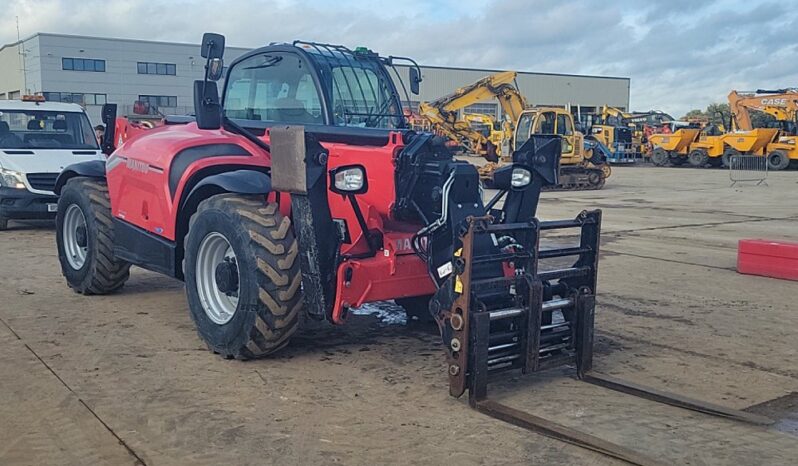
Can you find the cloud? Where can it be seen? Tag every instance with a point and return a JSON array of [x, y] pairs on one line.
[[680, 54]]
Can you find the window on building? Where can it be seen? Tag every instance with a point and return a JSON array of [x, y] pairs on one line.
[[14, 95], [157, 101], [83, 64], [166, 69], [76, 98]]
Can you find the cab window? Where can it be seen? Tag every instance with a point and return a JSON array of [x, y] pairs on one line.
[[523, 130], [547, 122], [275, 87], [564, 127]]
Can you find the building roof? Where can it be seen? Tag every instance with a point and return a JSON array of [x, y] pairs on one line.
[[486, 70]]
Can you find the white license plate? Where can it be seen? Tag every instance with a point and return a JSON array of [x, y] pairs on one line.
[[52, 207]]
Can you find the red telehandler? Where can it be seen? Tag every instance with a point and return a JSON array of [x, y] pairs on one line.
[[302, 190]]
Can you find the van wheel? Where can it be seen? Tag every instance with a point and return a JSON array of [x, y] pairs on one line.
[[3, 223], [85, 238], [242, 276]]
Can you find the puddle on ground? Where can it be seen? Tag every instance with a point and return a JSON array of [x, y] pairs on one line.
[[783, 410], [387, 312]]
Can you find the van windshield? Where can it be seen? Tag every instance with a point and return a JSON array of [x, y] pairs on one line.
[[44, 129]]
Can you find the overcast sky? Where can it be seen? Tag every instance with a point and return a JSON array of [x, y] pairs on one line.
[[680, 54]]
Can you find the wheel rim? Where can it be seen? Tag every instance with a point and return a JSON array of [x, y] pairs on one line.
[[75, 237], [216, 255]]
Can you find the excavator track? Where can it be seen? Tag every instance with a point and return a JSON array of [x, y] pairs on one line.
[[536, 317], [579, 179]]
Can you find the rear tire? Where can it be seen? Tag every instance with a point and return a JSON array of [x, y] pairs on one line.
[[3, 223], [659, 157], [778, 160], [244, 296], [698, 158], [416, 308], [85, 238], [727, 155]]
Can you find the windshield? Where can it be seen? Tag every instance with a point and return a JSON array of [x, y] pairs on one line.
[[41, 129], [280, 86], [272, 87]]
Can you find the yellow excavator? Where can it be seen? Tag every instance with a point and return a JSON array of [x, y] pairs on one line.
[[577, 171], [491, 129], [781, 148]]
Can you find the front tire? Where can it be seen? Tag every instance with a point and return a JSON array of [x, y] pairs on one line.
[[778, 160], [698, 158], [727, 156], [416, 307], [85, 238], [242, 276], [660, 157]]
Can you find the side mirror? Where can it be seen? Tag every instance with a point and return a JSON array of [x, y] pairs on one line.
[[207, 109], [212, 46], [415, 80], [215, 69], [109, 120]]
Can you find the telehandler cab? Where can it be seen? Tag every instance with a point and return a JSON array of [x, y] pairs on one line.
[[302, 190]]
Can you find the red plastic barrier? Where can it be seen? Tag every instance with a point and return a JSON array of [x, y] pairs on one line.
[[777, 259]]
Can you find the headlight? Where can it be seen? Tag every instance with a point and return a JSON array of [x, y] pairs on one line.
[[349, 179], [521, 177], [11, 179]]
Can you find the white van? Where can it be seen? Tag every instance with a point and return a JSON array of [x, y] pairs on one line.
[[37, 140]]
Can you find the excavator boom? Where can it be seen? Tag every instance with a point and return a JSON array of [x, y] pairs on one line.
[[782, 105]]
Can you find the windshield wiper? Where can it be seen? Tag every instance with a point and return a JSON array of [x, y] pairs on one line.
[[271, 62]]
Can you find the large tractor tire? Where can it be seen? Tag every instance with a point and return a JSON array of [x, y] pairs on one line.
[[85, 238], [778, 160], [698, 158], [242, 276], [416, 308], [727, 155], [660, 157]]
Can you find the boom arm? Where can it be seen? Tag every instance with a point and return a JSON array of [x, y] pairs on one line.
[[442, 112], [783, 106]]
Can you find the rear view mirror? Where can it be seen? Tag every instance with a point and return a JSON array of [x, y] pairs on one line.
[[415, 80], [215, 69], [207, 109], [212, 46], [109, 120]]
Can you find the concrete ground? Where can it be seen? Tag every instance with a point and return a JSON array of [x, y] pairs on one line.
[[124, 379]]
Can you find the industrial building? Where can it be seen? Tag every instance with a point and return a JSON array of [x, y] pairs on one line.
[[94, 70]]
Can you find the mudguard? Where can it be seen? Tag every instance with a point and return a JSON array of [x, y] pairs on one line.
[[91, 169], [237, 181]]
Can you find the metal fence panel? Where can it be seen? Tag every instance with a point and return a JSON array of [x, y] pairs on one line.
[[748, 168]]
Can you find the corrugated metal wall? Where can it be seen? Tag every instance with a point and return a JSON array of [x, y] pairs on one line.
[[538, 88]]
